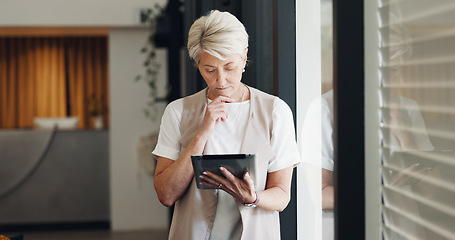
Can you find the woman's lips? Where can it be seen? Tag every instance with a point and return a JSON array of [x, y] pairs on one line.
[[221, 88]]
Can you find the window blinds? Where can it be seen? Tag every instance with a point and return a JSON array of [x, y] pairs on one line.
[[417, 118]]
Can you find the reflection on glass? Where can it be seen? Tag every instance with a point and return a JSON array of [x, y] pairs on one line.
[[317, 142], [418, 130], [327, 163]]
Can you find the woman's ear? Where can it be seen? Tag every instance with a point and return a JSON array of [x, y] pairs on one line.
[[245, 59]]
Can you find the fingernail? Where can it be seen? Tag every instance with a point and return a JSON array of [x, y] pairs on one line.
[[246, 174], [201, 177], [205, 173], [222, 168]]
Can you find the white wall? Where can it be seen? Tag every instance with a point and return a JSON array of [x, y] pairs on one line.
[[133, 201], [70, 12]]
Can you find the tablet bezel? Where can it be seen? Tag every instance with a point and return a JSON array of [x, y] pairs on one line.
[[236, 163]]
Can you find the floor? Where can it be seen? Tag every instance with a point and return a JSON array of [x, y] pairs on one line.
[[93, 235]]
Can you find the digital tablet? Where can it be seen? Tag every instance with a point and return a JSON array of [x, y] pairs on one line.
[[237, 164]]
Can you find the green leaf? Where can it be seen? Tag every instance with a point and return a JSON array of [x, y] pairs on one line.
[[146, 112], [151, 39], [152, 85]]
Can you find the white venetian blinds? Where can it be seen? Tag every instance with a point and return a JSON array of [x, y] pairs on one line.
[[417, 118]]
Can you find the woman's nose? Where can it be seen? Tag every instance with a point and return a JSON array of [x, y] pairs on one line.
[[221, 78]]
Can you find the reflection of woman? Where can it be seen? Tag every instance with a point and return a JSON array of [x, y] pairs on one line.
[[407, 130], [399, 141], [226, 117]]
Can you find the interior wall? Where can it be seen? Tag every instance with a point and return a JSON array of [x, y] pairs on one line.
[[72, 13], [133, 201]]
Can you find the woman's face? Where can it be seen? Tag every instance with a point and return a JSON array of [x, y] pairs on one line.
[[222, 76]]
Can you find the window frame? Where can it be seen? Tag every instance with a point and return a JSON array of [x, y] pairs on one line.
[[349, 114]]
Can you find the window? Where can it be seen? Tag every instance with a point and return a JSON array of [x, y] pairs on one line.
[[410, 95]]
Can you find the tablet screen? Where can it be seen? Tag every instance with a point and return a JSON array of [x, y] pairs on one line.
[[237, 164]]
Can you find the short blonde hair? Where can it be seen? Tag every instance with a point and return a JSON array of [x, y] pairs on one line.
[[217, 33]]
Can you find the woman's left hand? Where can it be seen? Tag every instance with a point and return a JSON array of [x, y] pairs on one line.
[[241, 189]]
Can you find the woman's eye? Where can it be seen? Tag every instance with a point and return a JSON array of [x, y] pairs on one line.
[[210, 71]]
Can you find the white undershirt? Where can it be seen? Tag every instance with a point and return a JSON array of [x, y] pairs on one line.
[[227, 139]]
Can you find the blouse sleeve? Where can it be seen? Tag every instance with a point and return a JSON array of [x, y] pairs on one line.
[[316, 139], [283, 140], [420, 134], [168, 144]]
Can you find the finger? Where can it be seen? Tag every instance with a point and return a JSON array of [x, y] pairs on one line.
[[221, 114], [227, 174], [423, 170], [247, 178], [399, 180], [212, 177], [215, 114], [212, 185], [412, 167], [217, 109], [208, 181], [222, 98]]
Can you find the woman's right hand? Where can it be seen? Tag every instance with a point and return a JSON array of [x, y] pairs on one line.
[[214, 112], [406, 175]]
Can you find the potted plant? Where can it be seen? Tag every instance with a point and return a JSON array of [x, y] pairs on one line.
[[94, 111]]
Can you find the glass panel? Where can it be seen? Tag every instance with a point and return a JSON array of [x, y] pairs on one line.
[[417, 49], [314, 29], [327, 155], [326, 45]]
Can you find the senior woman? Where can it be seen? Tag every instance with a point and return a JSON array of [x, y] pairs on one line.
[[225, 118]]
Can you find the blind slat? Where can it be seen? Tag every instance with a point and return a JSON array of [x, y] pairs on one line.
[[431, 132], [424, 178], [424, 108], [425, 61], [426, 224], [444, 157], [430, 36], [427, 201], [425, 13], [422, 84], [399, 232]]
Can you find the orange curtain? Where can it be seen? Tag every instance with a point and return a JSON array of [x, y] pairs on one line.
[[52, 77], [87, 78], [7, 86]]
